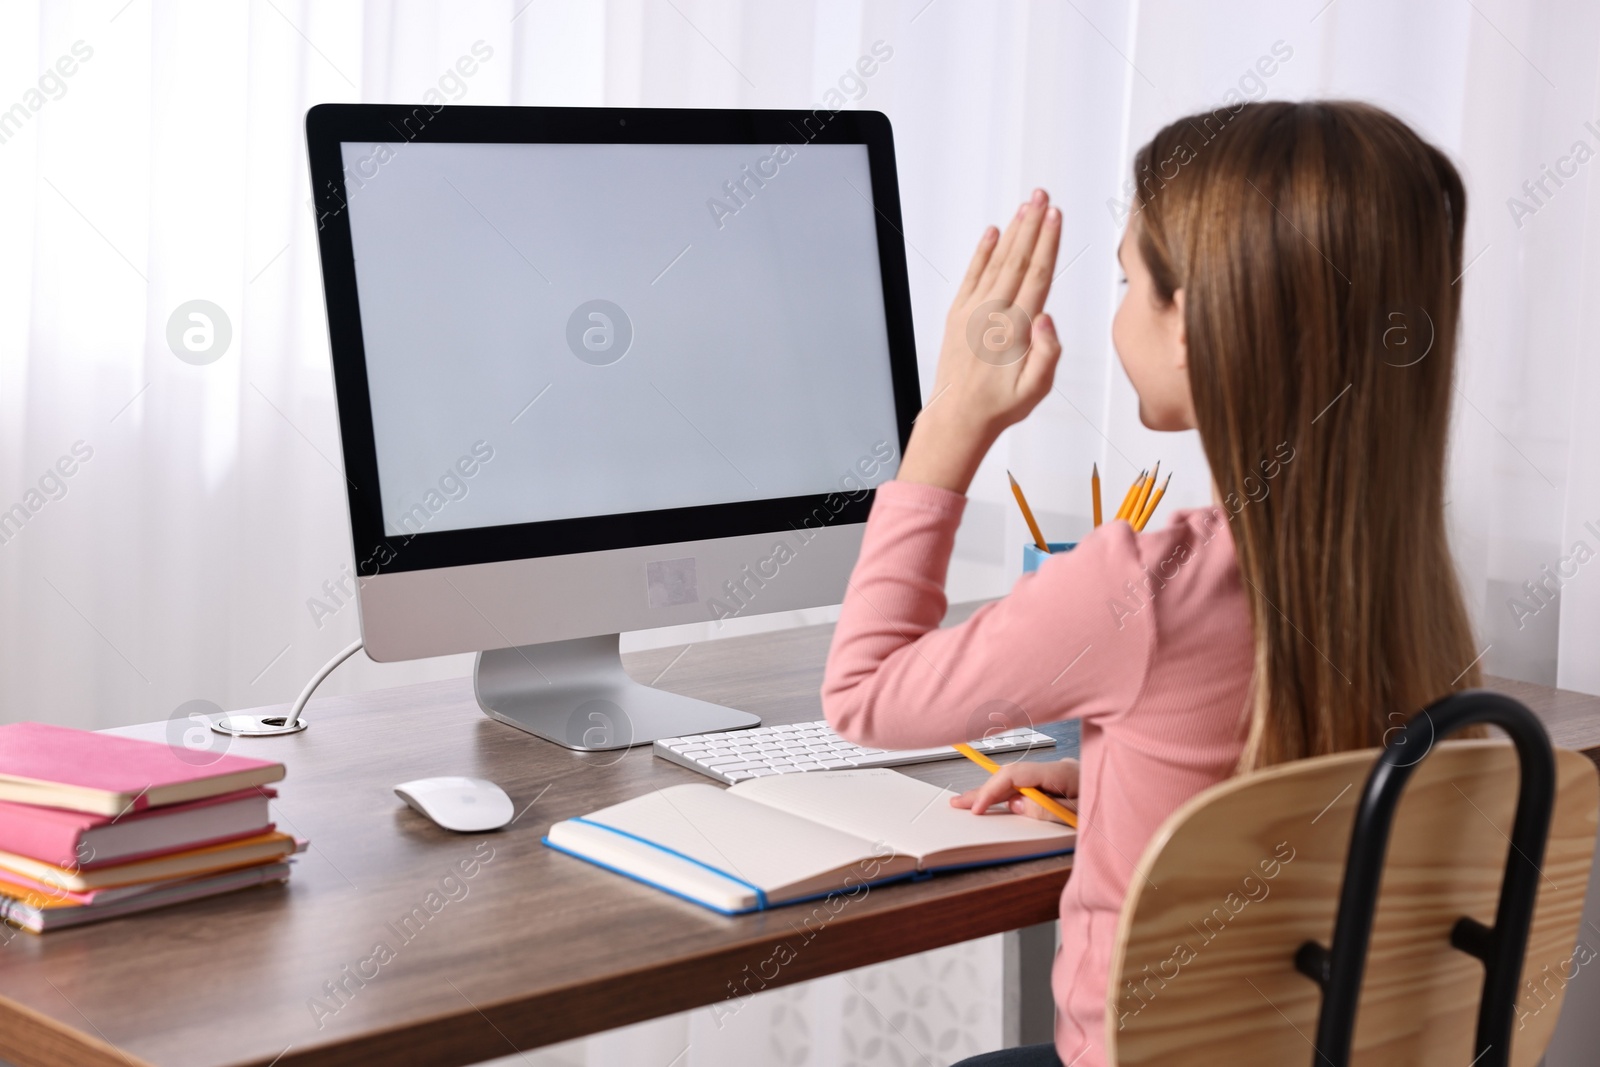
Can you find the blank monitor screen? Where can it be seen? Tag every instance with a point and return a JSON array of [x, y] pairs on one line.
[[620, 328]]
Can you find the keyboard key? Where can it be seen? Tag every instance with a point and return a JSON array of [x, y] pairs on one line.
[[738, 776]]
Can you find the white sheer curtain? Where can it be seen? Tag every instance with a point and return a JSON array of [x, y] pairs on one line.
[[151, 154], [200, 549]]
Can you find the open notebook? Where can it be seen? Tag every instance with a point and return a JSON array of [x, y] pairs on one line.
[[791, 837]]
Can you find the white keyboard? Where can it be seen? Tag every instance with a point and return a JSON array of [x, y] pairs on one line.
[[735, 755]]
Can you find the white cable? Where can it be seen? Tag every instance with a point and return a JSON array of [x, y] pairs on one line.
[[293, 718]]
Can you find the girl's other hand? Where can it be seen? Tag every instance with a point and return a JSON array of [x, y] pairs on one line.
[[999, 354], [1057, 777]]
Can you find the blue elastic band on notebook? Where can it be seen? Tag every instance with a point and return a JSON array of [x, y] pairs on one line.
[[949, 868], [761, 896], [630, 876]]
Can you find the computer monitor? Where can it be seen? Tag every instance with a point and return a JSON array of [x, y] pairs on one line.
[[605, 369]]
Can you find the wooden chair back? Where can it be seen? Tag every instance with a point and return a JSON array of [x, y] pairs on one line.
[[1245, 873]]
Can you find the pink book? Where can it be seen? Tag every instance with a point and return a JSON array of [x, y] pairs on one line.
[[59, 767], [76, 838]]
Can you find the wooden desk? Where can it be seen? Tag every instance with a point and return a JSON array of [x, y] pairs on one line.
[[534, 947], [540, 948]]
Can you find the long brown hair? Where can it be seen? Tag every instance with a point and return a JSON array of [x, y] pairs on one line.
[[1318, 246]]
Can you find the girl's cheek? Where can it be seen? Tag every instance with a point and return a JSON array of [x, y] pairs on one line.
[[1119, 335]]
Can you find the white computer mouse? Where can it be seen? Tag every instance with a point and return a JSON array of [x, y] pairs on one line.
[[465, 805]]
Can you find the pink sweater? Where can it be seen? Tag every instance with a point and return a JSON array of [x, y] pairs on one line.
[[1145, 637]]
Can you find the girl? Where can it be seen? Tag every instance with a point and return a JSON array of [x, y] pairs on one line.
[[1290, 295]]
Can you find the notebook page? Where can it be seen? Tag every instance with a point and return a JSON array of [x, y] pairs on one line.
[[755, 843], [912, 817]]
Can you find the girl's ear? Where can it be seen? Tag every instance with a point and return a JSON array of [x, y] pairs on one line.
[[1180, 334]]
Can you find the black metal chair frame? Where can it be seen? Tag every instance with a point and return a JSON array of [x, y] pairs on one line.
[[1501, 947]]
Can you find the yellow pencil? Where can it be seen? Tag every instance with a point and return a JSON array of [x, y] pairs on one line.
[[1132, 501], [1127, 501], [1027, 514], [1150, 508], [1044, 800], [1094, 486], [1144, 494]]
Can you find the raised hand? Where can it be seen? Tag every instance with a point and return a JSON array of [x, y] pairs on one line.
[[999, 354]]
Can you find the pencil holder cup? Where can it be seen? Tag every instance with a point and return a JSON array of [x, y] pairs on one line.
[[1032, 556]]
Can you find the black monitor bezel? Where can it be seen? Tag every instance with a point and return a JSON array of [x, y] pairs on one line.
[[328, 125]]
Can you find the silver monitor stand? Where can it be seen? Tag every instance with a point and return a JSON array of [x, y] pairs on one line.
[[576, 694]]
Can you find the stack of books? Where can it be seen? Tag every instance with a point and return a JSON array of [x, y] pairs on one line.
[[94, 826]]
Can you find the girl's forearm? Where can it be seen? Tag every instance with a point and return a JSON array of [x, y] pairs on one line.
[[943, 451]]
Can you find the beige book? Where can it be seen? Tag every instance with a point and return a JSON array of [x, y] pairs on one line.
[[784, 838]]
